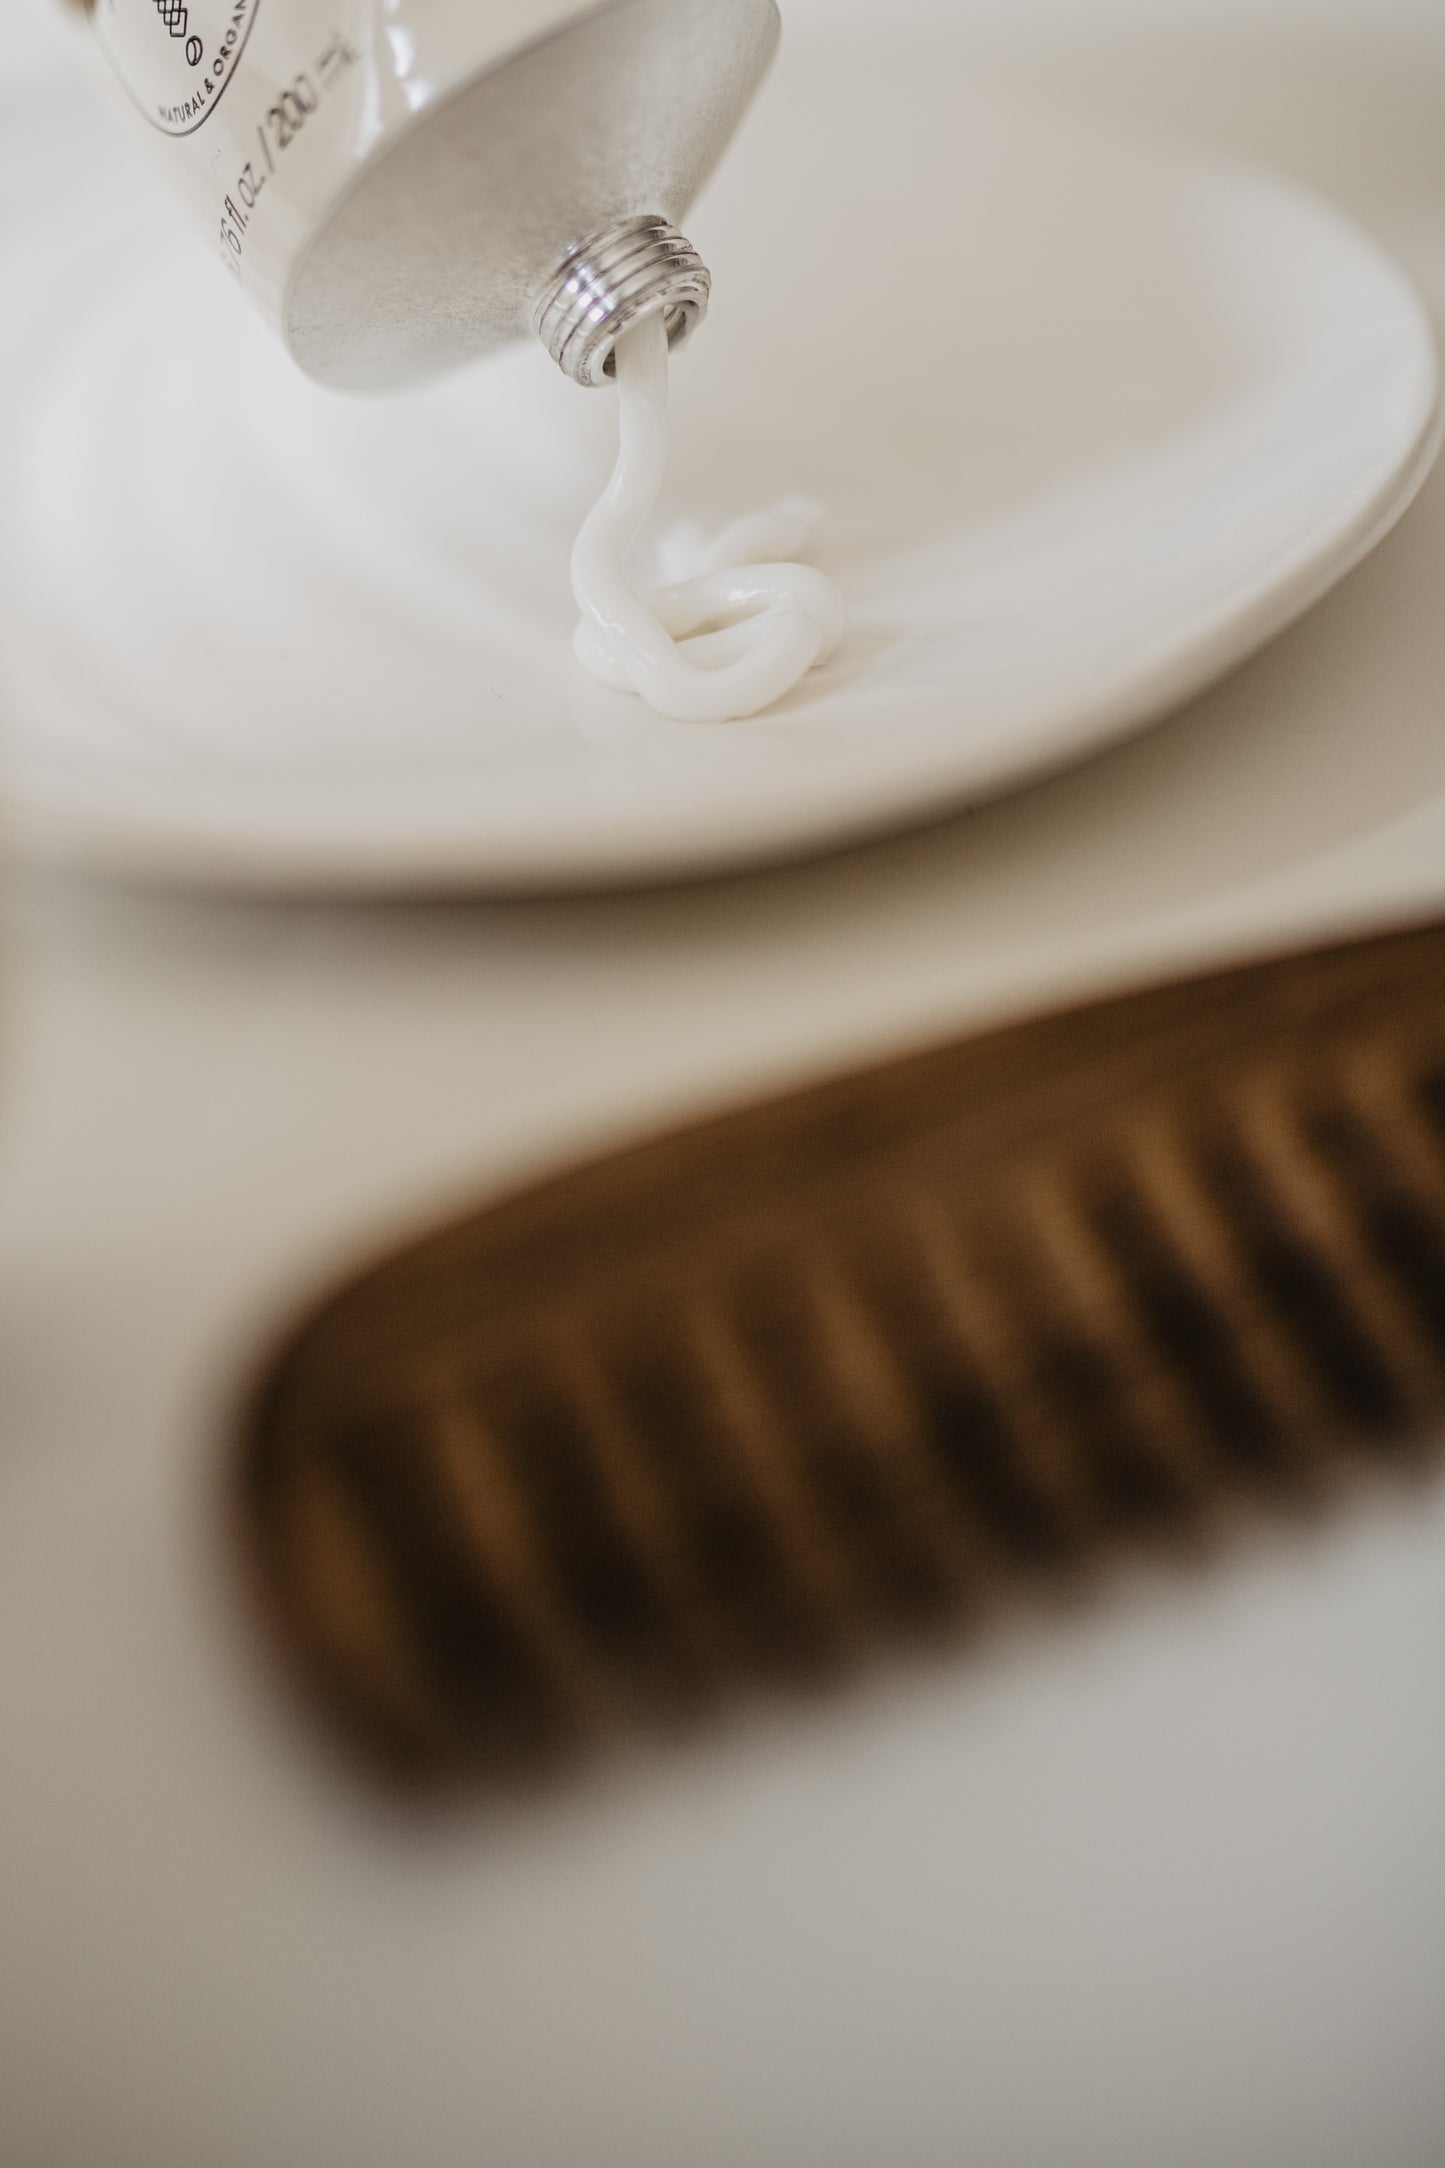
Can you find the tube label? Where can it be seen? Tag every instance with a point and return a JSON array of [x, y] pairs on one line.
[[176, 57]]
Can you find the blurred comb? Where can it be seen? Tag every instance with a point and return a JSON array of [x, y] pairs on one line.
[[730, 1410]]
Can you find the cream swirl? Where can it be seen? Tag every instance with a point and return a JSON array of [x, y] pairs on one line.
[[739, 633]]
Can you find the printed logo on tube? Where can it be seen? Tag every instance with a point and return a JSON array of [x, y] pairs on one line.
[[175, 57]]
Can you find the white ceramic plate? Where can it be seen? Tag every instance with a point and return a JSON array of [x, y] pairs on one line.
[[1093, 417]]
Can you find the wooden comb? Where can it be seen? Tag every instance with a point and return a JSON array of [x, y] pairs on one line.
[[738, 1407]]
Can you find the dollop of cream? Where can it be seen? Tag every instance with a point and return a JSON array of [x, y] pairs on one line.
[[738, 627]]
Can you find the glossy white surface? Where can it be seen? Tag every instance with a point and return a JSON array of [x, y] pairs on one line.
[[1157, 401], [1161, 1884]]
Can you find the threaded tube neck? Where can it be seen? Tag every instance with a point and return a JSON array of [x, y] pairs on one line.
[[642, 267]]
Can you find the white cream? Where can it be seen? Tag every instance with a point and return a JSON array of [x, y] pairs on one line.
[[739, 628]]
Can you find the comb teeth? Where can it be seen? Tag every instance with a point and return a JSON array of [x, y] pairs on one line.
[[611, 1455]]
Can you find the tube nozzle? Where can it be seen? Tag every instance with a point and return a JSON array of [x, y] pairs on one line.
[[639, 268]]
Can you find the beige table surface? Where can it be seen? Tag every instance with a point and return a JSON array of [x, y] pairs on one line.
[[1166, 1887]]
